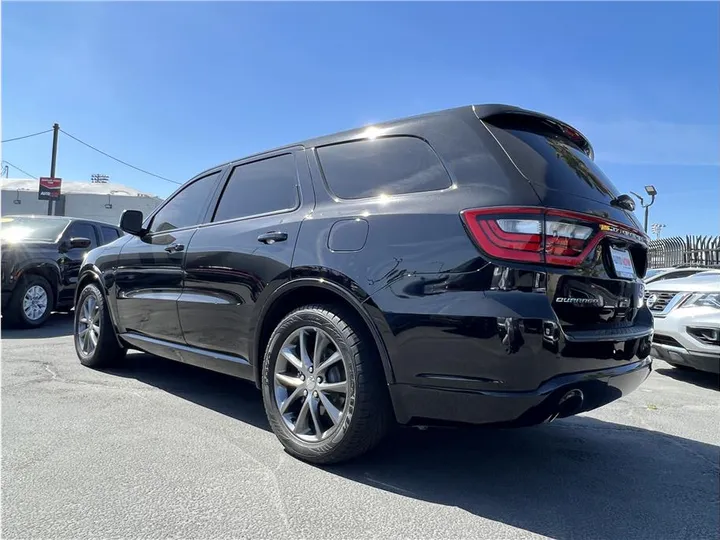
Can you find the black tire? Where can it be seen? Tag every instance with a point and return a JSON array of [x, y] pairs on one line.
[[108, 352], [15, 313], [368, 413]]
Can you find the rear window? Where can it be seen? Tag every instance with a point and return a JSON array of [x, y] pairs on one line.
[[384, 166], [551, 161]]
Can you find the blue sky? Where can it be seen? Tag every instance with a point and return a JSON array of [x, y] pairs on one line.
[[177, 87]]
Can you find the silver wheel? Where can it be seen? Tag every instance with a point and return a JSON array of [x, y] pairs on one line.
[[310, 384], [88, 328], [35, 302]]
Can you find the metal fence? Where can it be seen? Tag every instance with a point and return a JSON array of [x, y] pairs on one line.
[[689, 251]]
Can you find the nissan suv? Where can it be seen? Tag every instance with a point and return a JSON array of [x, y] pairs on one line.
[[469, 266], [687, 321]]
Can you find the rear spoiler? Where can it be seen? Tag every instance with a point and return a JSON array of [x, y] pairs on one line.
[[486, 113]]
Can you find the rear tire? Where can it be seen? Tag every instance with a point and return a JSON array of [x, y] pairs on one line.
[[96, 344], [31, 303], [346, 404]]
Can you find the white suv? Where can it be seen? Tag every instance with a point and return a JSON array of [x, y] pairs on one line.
[[687, 320]]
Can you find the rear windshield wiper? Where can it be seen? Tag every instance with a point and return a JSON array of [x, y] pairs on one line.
[[624, 201]]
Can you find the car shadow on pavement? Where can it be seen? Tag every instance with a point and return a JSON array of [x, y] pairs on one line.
[[233, 397], [703, 379], [575, 478], [57, 325]]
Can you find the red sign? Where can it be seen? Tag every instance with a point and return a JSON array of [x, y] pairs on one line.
[[49, 188]]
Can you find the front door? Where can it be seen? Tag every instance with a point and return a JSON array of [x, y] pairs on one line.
[[149, 275], [234, 262]]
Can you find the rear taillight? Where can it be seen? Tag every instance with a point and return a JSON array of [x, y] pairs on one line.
[[537, 235]]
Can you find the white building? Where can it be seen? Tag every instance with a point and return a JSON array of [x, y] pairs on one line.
[[98, 201]]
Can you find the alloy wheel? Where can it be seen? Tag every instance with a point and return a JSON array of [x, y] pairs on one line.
[[310, 384], [35, 302], [88, 331]]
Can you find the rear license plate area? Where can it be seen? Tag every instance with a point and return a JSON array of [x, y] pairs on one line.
[[622, 263]]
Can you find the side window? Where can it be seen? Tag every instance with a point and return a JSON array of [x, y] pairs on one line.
[[83, 230], [187, 207], [260, 187], [386, 166], [109, 234]]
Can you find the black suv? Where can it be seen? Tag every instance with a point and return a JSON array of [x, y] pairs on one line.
[[471, 266], [41, 259]]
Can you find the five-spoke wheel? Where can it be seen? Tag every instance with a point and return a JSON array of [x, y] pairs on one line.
[[88, 330], [311, 384], [95, 342], [323, 385]]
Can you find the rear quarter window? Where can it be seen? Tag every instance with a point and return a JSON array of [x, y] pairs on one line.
[[384, 166]]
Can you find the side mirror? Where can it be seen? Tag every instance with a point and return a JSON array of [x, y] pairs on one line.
[[79, 242], [131, 222]]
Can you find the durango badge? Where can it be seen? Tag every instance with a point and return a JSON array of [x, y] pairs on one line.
[[580, 301]]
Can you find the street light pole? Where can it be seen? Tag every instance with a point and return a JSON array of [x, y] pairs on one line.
[[650, 190]]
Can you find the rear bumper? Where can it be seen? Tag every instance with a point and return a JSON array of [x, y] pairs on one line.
[[501, 356], [425, 404], [680, 356]]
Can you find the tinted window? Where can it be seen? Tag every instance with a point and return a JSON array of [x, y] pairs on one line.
[[260, 187], [187, 207], [552, 161], [109, 234], [388, 166], [83, 230]]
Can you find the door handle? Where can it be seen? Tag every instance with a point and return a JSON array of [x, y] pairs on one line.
[[272, 237], [174, 247]]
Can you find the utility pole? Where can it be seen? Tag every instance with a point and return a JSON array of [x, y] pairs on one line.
[[53, 162]]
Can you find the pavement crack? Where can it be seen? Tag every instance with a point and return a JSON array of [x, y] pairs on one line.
[[50, 371]]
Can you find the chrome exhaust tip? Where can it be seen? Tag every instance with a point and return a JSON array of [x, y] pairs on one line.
[[570, 403]]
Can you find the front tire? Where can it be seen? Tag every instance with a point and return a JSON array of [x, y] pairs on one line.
[[31, 303], [95, 342], [323, 386]]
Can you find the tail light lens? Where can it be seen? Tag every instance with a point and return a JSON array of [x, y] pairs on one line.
[[539, 235]]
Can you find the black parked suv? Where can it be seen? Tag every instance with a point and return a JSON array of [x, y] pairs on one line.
[[41, 259], [468, 266]]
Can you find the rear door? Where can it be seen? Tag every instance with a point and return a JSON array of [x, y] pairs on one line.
[[149, 276], [233, 263]]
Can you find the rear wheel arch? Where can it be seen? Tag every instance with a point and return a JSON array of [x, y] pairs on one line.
[[306, 291]]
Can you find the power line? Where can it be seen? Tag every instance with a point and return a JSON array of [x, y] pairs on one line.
[[27, 136], [120, 160], [19, 169]]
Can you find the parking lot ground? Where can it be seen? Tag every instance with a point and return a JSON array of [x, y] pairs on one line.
[[159, 449]]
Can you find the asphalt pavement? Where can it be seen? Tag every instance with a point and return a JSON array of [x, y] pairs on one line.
[[158, 449]]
